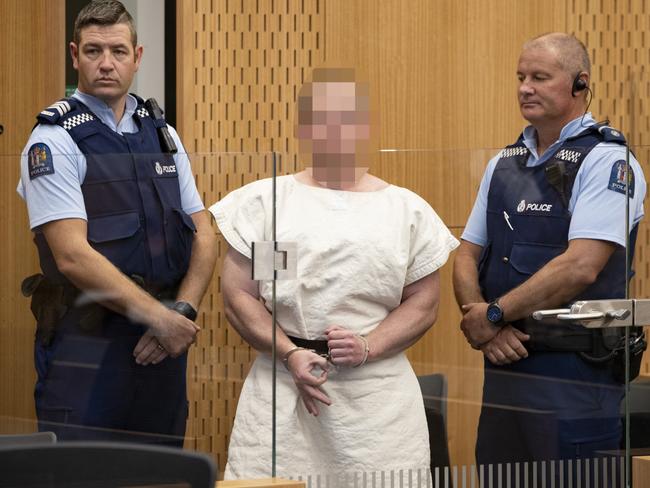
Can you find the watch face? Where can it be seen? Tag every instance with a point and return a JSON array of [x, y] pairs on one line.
[[494, 313]]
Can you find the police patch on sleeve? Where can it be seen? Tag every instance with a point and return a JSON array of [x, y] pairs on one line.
[[618, 177], [39, 160]]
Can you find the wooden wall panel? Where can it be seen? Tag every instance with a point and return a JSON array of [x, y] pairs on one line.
[[31, 76]]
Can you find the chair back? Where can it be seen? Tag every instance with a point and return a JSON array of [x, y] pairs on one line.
[[434, 392], [104, 465]]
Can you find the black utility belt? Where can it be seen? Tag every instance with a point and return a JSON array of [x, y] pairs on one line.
[[318, 346], [557, 338]]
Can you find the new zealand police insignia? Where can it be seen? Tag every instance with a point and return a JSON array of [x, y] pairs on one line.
[[39, 160], [618, 177]]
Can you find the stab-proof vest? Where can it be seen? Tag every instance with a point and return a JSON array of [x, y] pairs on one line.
[[528, 220], [132, 198]]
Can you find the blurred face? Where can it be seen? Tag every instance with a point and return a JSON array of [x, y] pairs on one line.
[[106, 61], [336, 125], [545, 89]]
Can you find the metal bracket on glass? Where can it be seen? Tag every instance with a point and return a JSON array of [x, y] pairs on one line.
[[595, 314], [274, 260]]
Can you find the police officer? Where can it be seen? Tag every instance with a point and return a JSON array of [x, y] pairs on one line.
[[125, 246], [548, 228]]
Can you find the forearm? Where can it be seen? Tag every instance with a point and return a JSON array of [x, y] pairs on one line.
[[552, 286], [400, 330], [465, 275], [559, 281], [108, 286], [408, 322], [202, 263], [465, 279], [252, 321]]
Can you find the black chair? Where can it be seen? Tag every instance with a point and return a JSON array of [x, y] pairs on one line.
[[434, 393], [40, 438], [104, 465]]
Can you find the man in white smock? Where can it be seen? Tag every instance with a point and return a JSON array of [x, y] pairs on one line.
[[367, 289]]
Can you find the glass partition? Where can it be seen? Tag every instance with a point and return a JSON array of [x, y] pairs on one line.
[[410, 417], [552, 416]]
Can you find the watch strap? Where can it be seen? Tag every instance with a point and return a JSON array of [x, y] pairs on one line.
[[186, 310]]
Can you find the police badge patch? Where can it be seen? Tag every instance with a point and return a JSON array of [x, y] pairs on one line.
[[617, 178], [39, 160]]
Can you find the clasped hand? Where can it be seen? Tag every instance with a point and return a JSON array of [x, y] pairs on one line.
[[345, 349], [477, 328], [500, 345], [345, 346], [170, 334]]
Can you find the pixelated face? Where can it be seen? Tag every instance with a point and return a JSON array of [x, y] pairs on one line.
[[106, 61], [334, 122], [544, 87]]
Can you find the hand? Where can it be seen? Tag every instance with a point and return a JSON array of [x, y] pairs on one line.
[[300, 365], [506, 347], [175, 332], [346, 349], [477, 328], [148, 350]]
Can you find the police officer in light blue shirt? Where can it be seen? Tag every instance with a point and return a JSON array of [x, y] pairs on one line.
[[125, 248], [594, 214], [59, 195], [549, 227]]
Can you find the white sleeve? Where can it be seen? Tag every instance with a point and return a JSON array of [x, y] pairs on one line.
[[431, 241], [242, 215], [476, 227], [52, 169], [598, 198], [190, 199]]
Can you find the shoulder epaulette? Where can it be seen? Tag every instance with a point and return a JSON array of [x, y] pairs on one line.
[[610, 134], [57, 110], [67, 112], [515, 150], [140, 110]]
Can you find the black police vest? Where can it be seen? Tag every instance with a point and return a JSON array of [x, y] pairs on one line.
[[132, 197], [528, 221]]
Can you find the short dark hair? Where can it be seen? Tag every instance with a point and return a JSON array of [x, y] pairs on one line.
[[104, 12]]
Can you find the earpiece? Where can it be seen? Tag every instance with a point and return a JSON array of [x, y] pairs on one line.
[[578, 85]]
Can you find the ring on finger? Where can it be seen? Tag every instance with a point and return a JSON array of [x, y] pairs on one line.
[[160, 347]]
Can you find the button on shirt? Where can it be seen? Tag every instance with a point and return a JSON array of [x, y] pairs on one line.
[[58, 195], [596, 211]]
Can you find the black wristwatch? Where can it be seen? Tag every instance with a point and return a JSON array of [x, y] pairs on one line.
[[186, 310], [494, 313]]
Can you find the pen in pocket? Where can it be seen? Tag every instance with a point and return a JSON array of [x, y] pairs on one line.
[[507, 217]]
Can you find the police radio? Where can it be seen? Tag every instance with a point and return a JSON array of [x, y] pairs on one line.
[[166, 142]]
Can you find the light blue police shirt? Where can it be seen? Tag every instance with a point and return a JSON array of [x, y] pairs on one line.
[[58, 195], [597, 212]]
